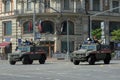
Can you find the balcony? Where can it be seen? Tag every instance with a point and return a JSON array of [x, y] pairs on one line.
[[25, 12], [109, 13]]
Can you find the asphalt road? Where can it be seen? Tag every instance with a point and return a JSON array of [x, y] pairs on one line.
[[60, 70]]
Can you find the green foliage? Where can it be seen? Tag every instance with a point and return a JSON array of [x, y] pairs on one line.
[[97, 33], [116, 35]]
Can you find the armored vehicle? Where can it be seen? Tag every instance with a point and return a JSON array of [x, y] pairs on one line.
[[27, 54], [91, 53]]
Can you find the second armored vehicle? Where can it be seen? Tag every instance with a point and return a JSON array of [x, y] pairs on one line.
[[92, 53]]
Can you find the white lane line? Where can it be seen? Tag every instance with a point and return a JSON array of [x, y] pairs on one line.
[[57, 79], [15, 75], [48, 78]]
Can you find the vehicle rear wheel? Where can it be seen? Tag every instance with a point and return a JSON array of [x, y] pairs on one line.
[[42, 59], [107, 59], [12, 62], [25, 60], [76, 62], [30, 61], [91, 60]]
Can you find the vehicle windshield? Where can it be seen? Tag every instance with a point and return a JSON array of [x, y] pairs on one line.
[[24, 48], [89, 47]]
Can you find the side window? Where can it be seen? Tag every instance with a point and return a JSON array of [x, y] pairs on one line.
[[7, 28]]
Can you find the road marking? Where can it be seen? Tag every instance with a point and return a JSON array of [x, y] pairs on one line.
[[57, 79], [48, 78], [15, 75]]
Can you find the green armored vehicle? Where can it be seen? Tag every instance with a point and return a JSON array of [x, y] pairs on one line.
[[91, 53], [27, 54]]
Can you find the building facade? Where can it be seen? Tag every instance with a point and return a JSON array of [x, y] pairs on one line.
[[55, 23]]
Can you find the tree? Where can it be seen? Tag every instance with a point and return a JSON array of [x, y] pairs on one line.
[[97, 33], [116, 35]]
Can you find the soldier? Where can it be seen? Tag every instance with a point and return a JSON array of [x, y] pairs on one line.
[[96, 40]]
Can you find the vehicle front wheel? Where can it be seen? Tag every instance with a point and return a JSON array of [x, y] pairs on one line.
[[76, 62], [107, 59], [42, 59], [91, 60], [71, 60], [12, 62], [25, 60]]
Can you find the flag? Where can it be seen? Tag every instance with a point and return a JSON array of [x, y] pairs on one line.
[[20, 22], [40, 27], [61, 28], [30, 26]]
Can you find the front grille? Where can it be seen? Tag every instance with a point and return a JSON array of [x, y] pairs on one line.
[[80, 55]]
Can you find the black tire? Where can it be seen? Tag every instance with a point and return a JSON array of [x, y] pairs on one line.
[[30, 61], [71, 60], [91, 59], [42, 59], [25, 60], [76, 62], [12, 62], [107, 59]]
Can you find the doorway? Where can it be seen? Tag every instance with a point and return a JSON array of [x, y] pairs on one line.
[[48, 46]]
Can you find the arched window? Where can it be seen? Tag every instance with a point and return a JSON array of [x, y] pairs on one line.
[[70, 27], [47, 27], [28, 27]]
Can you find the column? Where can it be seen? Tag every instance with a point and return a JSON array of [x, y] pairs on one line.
[[58, 5], [91, 5], [75, 6], [101, 5], [119, 5], [82, 4], [110, 5], [107, 31]]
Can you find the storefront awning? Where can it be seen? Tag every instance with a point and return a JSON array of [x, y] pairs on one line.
[[4, 44]]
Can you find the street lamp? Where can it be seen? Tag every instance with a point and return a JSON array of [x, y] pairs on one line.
[[68, 48], [34, 32]]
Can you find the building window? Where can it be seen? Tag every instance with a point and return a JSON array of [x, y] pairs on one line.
[[96, 24], [47, 3], [28, 4], [47, 27], [64, 28], [113, 26], [28, 27], [7, 5], [66, 4], [96, 5], [114, 5], [7, 28]]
